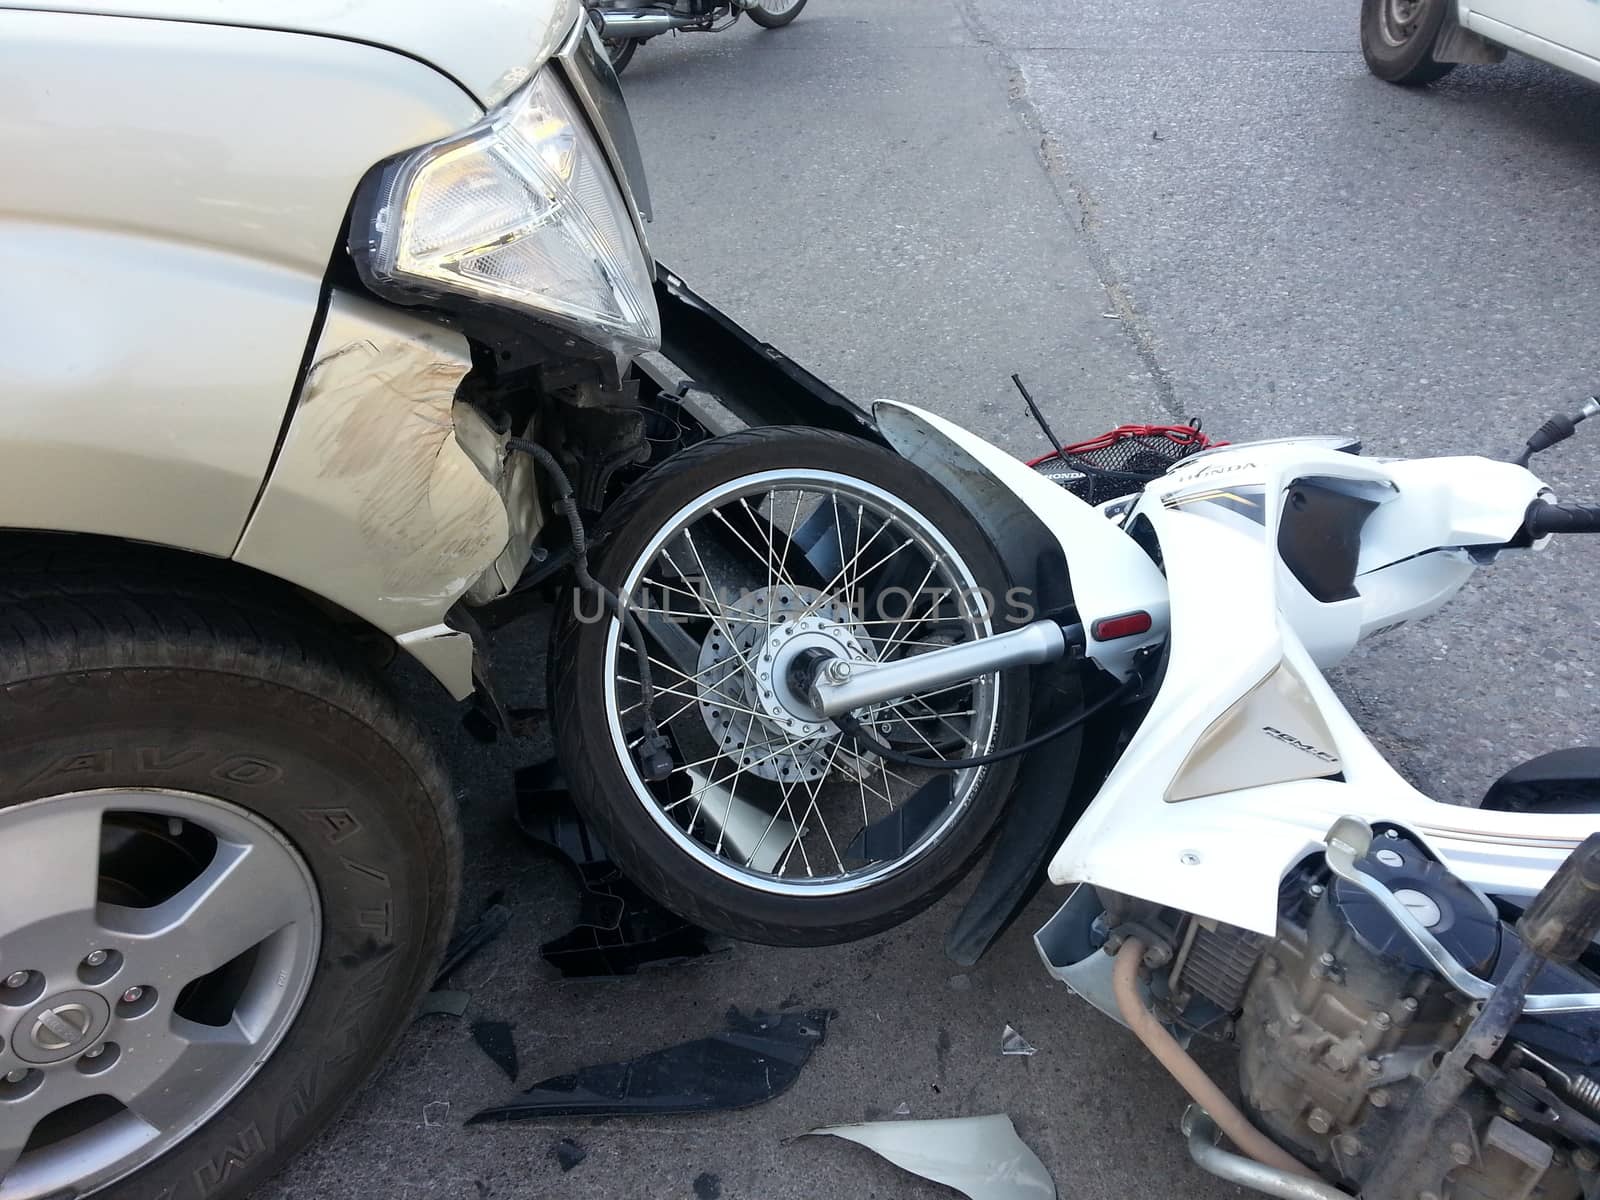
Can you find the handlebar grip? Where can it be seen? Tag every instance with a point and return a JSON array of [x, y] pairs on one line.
[[1543, 517], [1565, 916]]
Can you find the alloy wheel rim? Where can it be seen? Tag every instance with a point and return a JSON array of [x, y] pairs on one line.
[[156, 946], [735, 812]]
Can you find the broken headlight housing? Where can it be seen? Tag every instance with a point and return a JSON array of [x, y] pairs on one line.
[[520, 211]]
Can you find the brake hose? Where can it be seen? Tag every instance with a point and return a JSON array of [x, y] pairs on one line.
[[854, 728], [653, 754]]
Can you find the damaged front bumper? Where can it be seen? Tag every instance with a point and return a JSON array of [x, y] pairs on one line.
[[753, 382], [392, 499], [395, 500]]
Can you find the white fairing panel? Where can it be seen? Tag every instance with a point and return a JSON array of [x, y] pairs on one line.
[[1110, 574], [1238, 616], [174, 195]]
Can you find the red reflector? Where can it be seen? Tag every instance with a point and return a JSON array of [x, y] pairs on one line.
[[1109, 629]]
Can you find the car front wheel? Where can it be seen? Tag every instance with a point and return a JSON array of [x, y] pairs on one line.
[[227, 867]]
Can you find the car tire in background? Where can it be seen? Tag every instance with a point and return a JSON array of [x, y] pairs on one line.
[[775, 14], [228, 867], [1398, 38]]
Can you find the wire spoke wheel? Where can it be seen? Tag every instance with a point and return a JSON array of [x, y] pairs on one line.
[[761, 569], [733, 585]]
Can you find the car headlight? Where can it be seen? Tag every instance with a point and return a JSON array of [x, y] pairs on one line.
[[521, 211]]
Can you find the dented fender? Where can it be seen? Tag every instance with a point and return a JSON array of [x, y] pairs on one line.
[[389, 497]]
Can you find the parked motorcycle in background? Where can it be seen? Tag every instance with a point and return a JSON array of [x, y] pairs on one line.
[[625, 26]]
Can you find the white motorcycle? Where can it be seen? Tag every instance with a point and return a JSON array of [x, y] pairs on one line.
[[1411, 984]]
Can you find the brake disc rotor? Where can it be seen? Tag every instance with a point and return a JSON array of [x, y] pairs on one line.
[[746, 700]]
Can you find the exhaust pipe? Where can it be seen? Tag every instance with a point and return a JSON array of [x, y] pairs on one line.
[[1202, 1133], [640, 23], [1189, 1074]]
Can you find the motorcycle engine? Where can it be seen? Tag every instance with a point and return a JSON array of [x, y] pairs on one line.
[[1342, 1020]]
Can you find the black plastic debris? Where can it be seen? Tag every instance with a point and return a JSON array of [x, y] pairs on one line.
[[443, 1004], [892, 834], [491, 923], [568, 1154], [495, 1040], [620, 929], [756, 1058]]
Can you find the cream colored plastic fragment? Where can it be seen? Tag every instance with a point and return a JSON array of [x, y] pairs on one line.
[[980, 1157]]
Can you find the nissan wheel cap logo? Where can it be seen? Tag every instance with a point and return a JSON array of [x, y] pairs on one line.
[[62, 1027]]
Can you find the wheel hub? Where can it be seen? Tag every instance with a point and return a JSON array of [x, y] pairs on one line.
[[92, 991], [748, 704], [60, 1027], [1400, 19]]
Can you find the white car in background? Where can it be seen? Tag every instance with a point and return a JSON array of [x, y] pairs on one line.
[[1418, 41]]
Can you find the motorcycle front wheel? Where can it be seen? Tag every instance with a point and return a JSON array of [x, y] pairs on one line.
[[775, 14], [774, 825]]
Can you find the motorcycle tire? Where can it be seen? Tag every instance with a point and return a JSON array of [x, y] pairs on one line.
[[777, 18], [621, 52], [1398, 38], [750, 892], [227, 779]]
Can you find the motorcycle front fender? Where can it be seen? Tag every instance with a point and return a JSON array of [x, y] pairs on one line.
[[1057, 549]]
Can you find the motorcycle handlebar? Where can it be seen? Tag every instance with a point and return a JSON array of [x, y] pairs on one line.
[[1544, 517]]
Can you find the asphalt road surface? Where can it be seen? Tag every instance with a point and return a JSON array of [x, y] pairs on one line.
[[1194, 208]]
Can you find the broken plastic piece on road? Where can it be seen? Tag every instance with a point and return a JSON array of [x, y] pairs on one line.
[[619, 929], [491, 923], [756, 1058], [568, 1154], [902, 1109], [443, 1004], [891, 835], [980, 1157], [1012, 1042], [495, 1040], [434, 1112]]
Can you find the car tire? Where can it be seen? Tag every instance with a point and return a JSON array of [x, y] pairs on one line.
[[140, 691], [1398, 38]]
